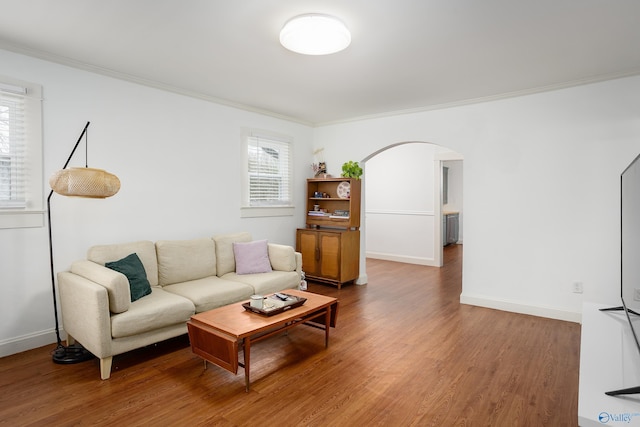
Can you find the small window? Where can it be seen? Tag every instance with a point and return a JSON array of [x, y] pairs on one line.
[[21, 187], [267, 177]]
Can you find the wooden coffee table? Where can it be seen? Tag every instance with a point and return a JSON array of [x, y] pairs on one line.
[[216, 334]]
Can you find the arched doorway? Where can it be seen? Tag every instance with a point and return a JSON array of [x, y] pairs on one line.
[[402, 203]]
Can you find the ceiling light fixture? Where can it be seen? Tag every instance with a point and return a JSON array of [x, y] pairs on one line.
[[315, 34]]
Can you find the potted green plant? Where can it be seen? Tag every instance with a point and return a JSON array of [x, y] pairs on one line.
[[351, 169]]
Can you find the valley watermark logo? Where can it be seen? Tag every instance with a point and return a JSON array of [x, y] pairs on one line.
[[621, 417]]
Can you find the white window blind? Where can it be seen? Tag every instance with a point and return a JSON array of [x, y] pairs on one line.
[[267, 174], [21, 174], [269, 171], [12, 146]]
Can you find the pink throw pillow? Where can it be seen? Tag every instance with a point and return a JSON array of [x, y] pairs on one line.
[[252, 257]]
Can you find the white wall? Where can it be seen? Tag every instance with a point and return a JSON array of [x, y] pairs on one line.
[[401, 195], [178, 159], [540, 189]]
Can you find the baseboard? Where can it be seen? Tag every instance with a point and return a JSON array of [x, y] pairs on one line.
[[27, 342], [516, 307], [402, 258]]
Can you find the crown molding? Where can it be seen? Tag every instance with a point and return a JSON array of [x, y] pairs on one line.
[[62, 60], [490, 98], [69, 62]]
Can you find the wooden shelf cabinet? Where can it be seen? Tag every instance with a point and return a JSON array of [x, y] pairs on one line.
[[330, 245], [323, 192], [329, 255]]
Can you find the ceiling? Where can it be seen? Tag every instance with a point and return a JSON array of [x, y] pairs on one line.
[[405, 55]]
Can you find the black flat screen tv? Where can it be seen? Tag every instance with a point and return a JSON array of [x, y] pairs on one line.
[[630, 256]]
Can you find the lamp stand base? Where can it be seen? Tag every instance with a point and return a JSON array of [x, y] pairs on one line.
[[71, 354]]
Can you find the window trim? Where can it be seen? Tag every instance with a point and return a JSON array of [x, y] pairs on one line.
[[32, 214], [247, 211]]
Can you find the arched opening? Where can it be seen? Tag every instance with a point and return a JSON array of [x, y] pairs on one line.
[[405, 197]]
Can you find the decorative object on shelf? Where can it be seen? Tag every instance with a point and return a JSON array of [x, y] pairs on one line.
[[78, 182], [319, 166], [318, 155], [351, 169], [321, 170], [344, 190]]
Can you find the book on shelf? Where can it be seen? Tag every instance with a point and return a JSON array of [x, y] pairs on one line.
[[318, 213], [340, 213]]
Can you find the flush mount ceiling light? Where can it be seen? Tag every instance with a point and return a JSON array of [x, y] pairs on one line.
[[315, 34]]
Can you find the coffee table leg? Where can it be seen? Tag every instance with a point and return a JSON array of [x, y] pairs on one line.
[[247, 355], [327, 326]]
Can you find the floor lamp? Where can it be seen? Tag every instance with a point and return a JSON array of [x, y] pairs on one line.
[[78, 182]]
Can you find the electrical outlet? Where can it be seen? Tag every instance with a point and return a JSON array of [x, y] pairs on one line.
[[636, 294], [577, 287]]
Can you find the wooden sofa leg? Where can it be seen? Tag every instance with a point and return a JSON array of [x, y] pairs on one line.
[[105, 367]]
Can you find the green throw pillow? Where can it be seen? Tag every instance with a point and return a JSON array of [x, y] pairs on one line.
[[132, 267]]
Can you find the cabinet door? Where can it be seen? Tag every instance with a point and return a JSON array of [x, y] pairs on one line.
[[329, 244], [451, 229], [307, 245]]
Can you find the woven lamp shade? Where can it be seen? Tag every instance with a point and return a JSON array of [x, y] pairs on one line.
[[84, 182]]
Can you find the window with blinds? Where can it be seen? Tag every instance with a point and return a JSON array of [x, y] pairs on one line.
[[21, 174], [268, 164], [267, 179], [12, 146]]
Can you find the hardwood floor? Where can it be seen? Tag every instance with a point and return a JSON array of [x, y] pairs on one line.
[[404, 353]]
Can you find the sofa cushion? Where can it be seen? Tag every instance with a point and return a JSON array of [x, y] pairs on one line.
[[132, 268], [146, 251], [282, 257], [225, 259], [267, 283], [251, 257], [211, 292], [153, 312], [184, 260]]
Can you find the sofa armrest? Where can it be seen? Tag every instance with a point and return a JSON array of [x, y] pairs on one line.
[[85, 312], [299, 263], [116, 284], [282, 257]]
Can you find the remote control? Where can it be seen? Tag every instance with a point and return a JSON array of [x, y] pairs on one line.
[[283, 297]]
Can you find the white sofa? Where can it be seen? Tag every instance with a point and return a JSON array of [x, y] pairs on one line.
[[185, 277]]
